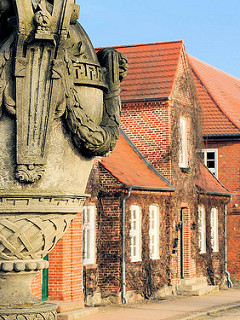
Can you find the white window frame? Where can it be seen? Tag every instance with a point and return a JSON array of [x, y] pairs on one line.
[[214, 230], [183, 159], [89, 235], [154, 231], [214, 170], [135, 233], [202, 229]]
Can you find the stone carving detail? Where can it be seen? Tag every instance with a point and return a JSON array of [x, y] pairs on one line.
[[31, 237], [89, 137], [20, 265], [23, 314], [6, 80], [50, 64], [40, 316], [29, 173]]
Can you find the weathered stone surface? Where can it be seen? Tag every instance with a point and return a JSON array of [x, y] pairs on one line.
[[59, 107], [47, 311]]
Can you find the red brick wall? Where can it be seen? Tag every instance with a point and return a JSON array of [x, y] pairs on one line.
[[148, 126], [228, 166], [234, 245], [65, 267], [229, 175], [36, 286]]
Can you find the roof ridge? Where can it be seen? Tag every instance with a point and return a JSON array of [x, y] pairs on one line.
[[146, 162], [209, 91], [141, 44], [208, 64]]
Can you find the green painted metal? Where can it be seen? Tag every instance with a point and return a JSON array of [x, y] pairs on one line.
[[45, 282]]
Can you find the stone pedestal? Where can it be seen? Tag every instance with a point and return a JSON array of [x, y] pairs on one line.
[[30, 226]]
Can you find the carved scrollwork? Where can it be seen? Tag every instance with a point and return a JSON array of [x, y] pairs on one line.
[[29, 173]]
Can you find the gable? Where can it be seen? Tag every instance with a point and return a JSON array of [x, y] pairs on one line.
[[152, 69]]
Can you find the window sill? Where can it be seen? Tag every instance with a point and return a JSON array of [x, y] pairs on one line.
[[136, 260], [90, 265]]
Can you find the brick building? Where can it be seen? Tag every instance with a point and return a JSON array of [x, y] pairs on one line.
[[152, 196], [155, 237], [219, 95]]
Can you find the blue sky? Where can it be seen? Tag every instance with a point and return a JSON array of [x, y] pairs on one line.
[[210, 28]]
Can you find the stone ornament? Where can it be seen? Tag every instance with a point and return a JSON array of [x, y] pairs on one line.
[[51, 64], [59, 107]]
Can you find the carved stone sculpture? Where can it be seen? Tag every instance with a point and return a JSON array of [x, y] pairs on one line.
[[59, 107]]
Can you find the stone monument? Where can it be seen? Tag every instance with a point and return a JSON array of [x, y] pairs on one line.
[[59, 107]]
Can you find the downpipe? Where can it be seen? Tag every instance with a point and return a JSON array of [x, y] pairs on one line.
[[124, 300], [229, 282]]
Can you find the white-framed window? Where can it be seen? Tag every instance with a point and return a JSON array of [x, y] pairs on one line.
[[89, 239], [135, 233], [214, 229], [202, 229], [210, 159], [183, 159], [154, 231]]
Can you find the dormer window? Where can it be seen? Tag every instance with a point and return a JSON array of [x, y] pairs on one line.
[[183, 159], [210, 158]]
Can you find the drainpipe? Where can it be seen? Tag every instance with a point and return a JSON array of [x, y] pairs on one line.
[[124, 245], [229, 282]]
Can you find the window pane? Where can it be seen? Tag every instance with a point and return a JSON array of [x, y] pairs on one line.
[[210, 164], [211, 155], [134, 225], [134, 214], [88, 244], [135, 233]]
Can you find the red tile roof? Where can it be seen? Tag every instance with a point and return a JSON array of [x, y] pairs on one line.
[[152, 69], [151, 74], [206, 182], [219, 95], [126, 165]]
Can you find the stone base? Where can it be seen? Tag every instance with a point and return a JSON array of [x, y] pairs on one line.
[[44, 311]]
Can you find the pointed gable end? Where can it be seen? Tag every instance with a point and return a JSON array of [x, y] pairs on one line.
[[152, 70]]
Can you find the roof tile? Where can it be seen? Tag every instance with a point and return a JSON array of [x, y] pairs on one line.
[[208, 183], [125, 165], [152, 69], [219, 95]]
